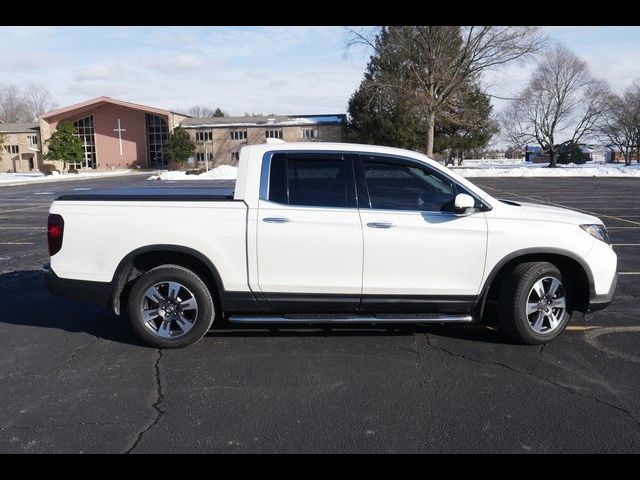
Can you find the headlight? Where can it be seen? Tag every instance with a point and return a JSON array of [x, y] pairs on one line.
[[598, 231]]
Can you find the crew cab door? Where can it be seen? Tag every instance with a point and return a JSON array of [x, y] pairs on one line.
[[419, 256], [309, 236]]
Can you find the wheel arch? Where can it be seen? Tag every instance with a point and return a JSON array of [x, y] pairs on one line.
[[142, 259], [566, 261]]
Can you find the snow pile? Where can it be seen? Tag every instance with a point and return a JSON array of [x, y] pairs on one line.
[[223, 172], [541, 170], [23, 178]]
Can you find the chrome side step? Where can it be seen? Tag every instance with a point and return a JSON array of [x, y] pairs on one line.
[[368, 319]]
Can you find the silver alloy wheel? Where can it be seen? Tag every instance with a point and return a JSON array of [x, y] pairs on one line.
[[546, 305], [169, 309]]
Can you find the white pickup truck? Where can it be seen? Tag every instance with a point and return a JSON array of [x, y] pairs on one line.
[[326, 233]]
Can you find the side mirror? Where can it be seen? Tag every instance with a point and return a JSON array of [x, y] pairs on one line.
[[464, 204]]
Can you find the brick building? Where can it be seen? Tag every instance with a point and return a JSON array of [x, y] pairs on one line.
[[219, 139], [20, 147], [119, 134], [114, 133]]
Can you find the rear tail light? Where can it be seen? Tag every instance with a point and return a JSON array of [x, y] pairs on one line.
[[55, 230]]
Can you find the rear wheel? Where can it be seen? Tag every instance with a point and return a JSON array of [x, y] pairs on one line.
[[533, 306], [170, 307]]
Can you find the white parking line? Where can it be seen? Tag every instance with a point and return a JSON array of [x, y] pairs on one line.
[[625, 244], [26, 208], [628, 273], [17, 243], [617, 228], [23, 228]]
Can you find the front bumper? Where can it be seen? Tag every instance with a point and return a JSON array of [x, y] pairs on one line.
[[599, 302], [93, 292]]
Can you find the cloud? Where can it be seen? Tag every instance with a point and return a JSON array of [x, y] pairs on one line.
[[176, 64], [95, 71]]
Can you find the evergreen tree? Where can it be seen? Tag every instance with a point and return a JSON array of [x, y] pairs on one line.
[[386, 116], [467, 127], [64, 144], [179, 146], [430, 65]]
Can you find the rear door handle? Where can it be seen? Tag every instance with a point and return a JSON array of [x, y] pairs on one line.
[[380, 224], [275, 220]]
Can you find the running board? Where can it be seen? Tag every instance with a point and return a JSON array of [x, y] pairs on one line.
[[368, 319]]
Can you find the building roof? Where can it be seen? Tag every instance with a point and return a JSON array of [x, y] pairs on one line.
[[19, 127], [98, 101], [264, 121]]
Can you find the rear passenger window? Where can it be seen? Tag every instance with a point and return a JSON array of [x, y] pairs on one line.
[[311, 180]]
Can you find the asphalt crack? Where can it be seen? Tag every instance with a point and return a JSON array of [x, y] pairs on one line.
[[622, 410], [159, 412], [83, 346]]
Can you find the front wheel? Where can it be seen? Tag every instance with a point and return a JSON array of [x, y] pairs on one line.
[[170, 307], [533, 306]]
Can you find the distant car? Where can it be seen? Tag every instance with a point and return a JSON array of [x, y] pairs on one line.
[[328, 233]]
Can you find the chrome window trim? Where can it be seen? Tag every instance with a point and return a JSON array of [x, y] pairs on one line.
[[485, 206], [266, 169]]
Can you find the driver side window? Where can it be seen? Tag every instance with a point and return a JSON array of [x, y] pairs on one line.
[[394, 185]]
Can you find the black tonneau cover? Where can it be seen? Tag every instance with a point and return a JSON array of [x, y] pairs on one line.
[[161, 194]]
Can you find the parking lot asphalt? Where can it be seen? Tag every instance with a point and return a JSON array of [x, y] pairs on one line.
[[75, 378]]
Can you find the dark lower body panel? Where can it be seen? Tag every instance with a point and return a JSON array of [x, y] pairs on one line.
[[301, 303], [600, 302], [93, 292]]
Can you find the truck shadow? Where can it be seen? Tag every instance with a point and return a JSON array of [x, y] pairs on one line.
[[25, 301], [475, 333]]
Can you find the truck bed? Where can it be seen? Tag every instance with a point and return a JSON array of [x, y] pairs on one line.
[[164, 193]]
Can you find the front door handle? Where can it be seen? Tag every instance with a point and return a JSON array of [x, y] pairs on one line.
[[275, 219], [380, 224]]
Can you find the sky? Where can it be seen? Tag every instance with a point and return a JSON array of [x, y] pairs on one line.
[[282, 70]]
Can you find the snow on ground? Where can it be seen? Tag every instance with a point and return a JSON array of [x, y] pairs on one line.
[[475, 168], [523, 169], [223, 172], [12, 179]]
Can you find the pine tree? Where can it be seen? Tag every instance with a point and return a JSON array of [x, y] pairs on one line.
[[64, 144], [179, 146], [388, 117]]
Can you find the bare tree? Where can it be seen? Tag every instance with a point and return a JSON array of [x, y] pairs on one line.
[[562, 99], [201, 111], [620, 126], [13, 108], [27, 106], [434, 62], [39, 100]]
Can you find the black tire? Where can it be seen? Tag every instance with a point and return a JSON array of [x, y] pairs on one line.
[[192, 286], [512, 303]]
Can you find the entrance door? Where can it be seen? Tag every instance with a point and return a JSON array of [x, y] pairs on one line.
[[309, 236]]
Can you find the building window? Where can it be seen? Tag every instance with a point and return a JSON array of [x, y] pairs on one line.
[[12, 149], [310, 134], [85, 131], [157, 136], [238, 134], [32, 139], [235, 157], [273, 133], [200, 156], [204, 136]]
